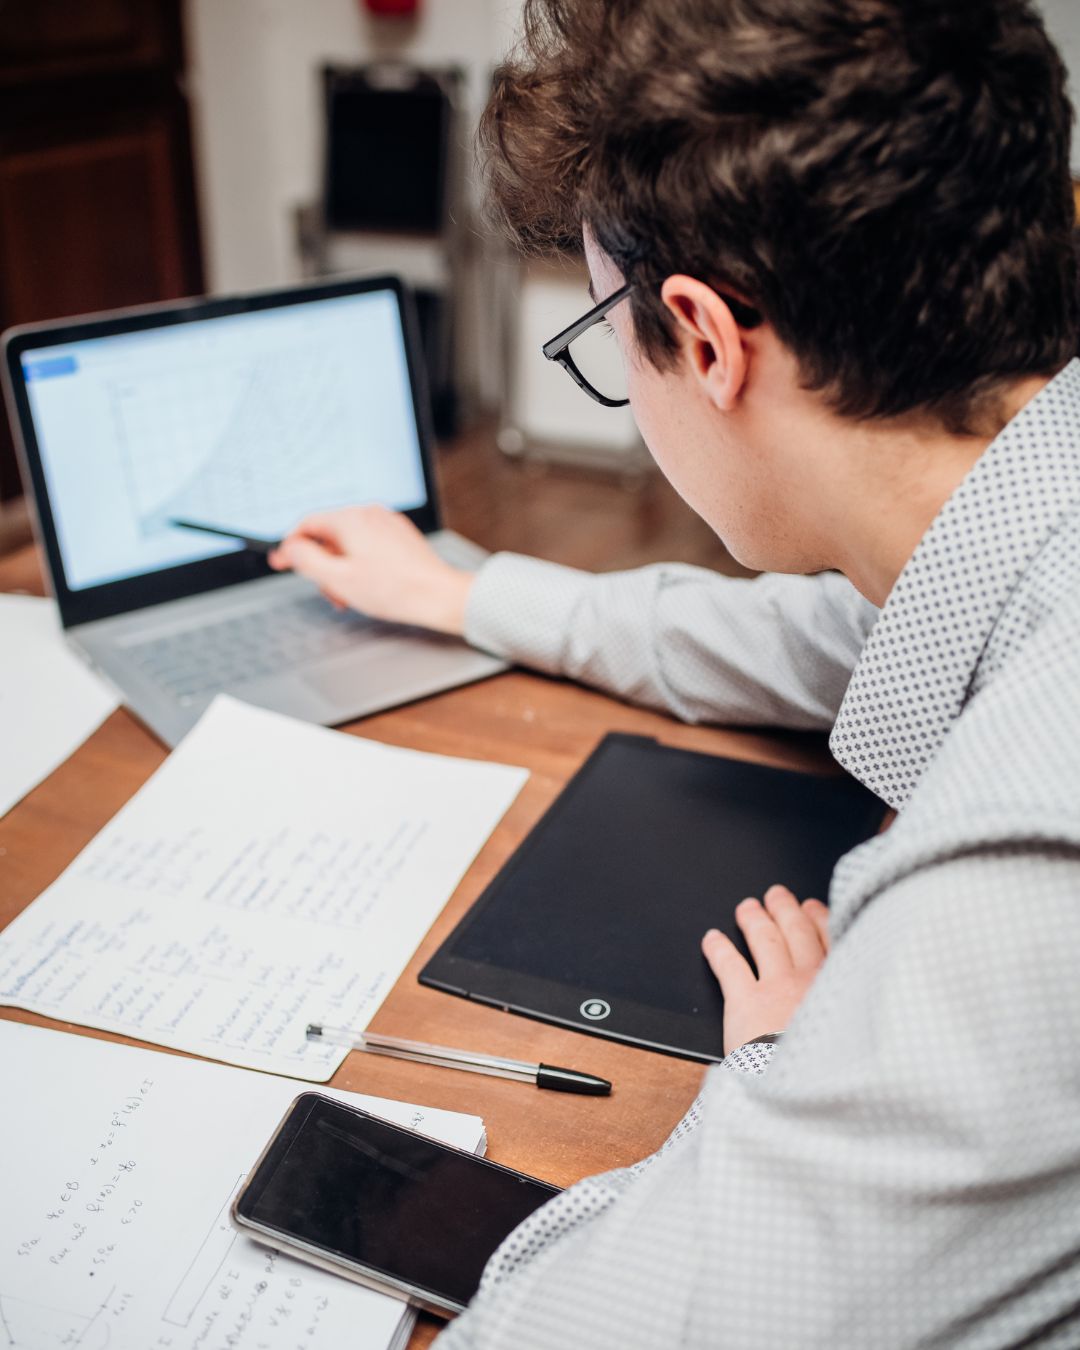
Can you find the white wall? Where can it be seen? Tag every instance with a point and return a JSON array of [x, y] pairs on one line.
[[1063, 21], [256, 96]]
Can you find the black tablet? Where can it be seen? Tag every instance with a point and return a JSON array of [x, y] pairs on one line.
[[597, 919]]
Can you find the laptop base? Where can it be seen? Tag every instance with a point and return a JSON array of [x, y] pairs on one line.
[[372, 665]]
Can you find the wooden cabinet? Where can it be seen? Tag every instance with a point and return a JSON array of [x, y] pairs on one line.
[[97, 199]]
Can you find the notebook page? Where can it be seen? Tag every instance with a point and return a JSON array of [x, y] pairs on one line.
[[269, 875], [49, 701], [118, 1166]]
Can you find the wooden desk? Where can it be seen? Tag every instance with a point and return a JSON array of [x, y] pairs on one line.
[[549, 727]]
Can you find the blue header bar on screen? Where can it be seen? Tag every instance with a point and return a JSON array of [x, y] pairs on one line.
[[49, 368]]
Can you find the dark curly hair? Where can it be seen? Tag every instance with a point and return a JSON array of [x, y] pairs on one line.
[[886, 181]]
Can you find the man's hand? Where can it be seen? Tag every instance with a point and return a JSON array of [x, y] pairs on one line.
[[788, 942], [377, 561]]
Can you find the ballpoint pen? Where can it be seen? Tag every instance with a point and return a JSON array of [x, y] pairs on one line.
[[543, 1075], [257, 545]]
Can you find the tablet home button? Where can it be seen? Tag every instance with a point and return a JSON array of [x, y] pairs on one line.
[[595, 1009]]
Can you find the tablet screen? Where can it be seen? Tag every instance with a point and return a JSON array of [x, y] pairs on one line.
[[597, 920]]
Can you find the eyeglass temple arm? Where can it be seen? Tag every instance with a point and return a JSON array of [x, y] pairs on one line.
[[562, 340]]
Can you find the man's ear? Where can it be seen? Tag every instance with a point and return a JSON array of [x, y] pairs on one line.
[[710, 338]]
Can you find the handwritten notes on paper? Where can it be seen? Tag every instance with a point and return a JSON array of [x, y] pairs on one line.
[[118, 1167], [269, 875], [49, 701]]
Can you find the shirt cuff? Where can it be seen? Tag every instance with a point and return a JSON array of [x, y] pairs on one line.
[[752, 1058], [520, 609]]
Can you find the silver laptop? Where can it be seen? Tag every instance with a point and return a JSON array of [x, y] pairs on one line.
[[242, 414]]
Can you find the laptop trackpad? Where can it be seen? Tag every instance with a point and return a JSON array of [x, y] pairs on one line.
[[400, 668]]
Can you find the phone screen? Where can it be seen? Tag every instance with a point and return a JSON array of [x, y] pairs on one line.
[[388, 1199]]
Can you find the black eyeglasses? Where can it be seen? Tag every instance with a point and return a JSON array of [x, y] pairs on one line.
[[594, 362], [600, 359]]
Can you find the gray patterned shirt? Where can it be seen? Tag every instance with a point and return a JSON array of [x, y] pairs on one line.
[[907, 1171]]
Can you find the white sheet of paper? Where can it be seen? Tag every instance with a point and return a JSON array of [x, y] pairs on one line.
[[49, 701], [269, 875], [117, 1169]]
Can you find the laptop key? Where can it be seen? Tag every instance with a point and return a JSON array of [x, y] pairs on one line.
[[230, 652]]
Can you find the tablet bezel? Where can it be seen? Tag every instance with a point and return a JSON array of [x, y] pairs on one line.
[[697, 1036], [632, 1022]]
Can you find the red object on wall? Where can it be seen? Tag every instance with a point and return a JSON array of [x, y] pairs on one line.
[[396, 8]]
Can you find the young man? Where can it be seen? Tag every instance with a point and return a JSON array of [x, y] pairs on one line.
[[833, 240]]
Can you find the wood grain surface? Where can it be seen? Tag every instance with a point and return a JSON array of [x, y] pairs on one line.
[[549, 727]]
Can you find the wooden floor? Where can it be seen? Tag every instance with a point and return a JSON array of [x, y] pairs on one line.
[[584, 518], [14, 525]]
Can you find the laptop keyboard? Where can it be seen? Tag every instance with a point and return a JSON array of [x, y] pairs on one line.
[[231, 651]]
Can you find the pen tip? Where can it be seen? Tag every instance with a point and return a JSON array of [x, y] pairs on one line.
[[314, 1031]]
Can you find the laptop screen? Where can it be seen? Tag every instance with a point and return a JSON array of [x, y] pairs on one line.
[[244, 421]]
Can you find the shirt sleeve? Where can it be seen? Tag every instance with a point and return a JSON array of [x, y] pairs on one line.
[[906, 1173], [775, 650], [591, 1197]]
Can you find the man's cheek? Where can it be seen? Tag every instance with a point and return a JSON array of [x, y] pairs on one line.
[[648, 405], [663, 427]]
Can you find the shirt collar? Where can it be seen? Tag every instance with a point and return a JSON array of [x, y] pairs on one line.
[[915, 671]]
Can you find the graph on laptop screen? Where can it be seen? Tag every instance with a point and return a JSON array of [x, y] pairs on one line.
[[247, 422]]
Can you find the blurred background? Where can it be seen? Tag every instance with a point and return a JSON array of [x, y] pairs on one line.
[[151, 149]]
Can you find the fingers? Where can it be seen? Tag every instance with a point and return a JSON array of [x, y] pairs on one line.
[[787, 943], [350, 526], [819, 917], [311, 560], [326, 528], [727, 963], [797, 926], [285, 556], [782, 933], [763, 937], [358, 532]]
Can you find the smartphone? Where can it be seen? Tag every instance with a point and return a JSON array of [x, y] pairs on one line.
[[381, 1204]]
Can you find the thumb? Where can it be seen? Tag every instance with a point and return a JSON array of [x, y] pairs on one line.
[[727, 963], [310, 559]]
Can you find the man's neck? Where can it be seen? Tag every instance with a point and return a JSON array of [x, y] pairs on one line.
[[901, 480]]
